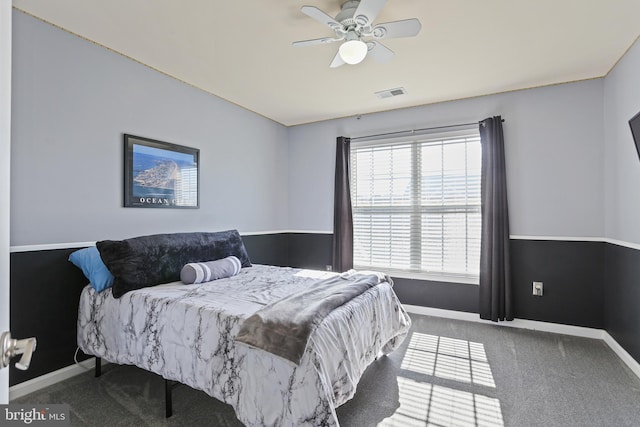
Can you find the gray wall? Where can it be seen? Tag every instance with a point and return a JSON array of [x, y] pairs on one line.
[[73, 101], [622, 201], [553, 146], [5, 165], [84, 97], [622, 166]]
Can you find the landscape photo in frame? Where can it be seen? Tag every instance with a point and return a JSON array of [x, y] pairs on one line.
[[160, 174]]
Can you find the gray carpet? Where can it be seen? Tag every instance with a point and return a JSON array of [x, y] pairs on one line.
[[448, 372]]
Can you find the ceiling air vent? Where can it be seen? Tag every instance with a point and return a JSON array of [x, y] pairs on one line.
[[391, 92]]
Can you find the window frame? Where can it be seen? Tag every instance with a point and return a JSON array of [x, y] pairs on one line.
[[415, 140]]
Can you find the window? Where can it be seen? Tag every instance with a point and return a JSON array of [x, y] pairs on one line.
[[416, 205]]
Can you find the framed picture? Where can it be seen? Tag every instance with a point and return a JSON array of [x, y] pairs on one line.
[[159, 174]]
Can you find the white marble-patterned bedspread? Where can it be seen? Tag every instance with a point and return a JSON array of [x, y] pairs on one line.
[[186, 333]]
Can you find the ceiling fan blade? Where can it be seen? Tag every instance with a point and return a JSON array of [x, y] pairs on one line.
[[379, 52], [337, 61], [368, 9], [403, 28], [323, 40], [321, 17]]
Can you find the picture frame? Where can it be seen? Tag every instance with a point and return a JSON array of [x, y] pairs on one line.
[[160, 174]]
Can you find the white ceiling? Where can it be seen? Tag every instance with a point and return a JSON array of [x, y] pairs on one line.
[[241, 50]]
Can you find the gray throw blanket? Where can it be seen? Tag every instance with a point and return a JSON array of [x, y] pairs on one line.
[[283, 327]]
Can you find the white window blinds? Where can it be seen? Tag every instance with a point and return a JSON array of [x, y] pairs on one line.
[[416, 204]]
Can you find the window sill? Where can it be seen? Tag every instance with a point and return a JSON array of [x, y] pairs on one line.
[[447, 278]]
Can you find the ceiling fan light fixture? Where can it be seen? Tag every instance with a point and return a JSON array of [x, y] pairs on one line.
[[353, 51]]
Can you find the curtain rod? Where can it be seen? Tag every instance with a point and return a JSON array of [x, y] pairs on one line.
[[412, 131]]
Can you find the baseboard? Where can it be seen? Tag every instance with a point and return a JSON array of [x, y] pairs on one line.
[[51, 378], [622, 354], [557, 328], [578, 331]]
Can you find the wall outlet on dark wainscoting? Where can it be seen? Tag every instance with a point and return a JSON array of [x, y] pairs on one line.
[[537, 289], [329, 267]]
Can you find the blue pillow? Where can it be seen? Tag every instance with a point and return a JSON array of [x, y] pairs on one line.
[[88, 260]]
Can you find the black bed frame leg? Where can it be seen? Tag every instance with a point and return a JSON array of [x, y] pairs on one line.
[[98, 370], [168, 408]]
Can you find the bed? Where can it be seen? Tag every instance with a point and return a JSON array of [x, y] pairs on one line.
[[186, 333]]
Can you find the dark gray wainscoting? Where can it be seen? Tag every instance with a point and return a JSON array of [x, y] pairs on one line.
[[572, 273], [573, 277], [268, 249], [447, 296], [309, 250], [622, 297], [45, 291]]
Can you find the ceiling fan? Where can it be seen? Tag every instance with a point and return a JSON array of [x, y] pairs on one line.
[[354, 26]]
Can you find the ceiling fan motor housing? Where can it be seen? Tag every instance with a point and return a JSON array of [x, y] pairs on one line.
[[348, 9]]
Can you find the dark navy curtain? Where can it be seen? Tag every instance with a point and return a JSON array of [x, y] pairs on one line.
[[342, 212], [495, 270]]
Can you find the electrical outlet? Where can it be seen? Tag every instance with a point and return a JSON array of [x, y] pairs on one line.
[[329, 267], [537, 289]]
